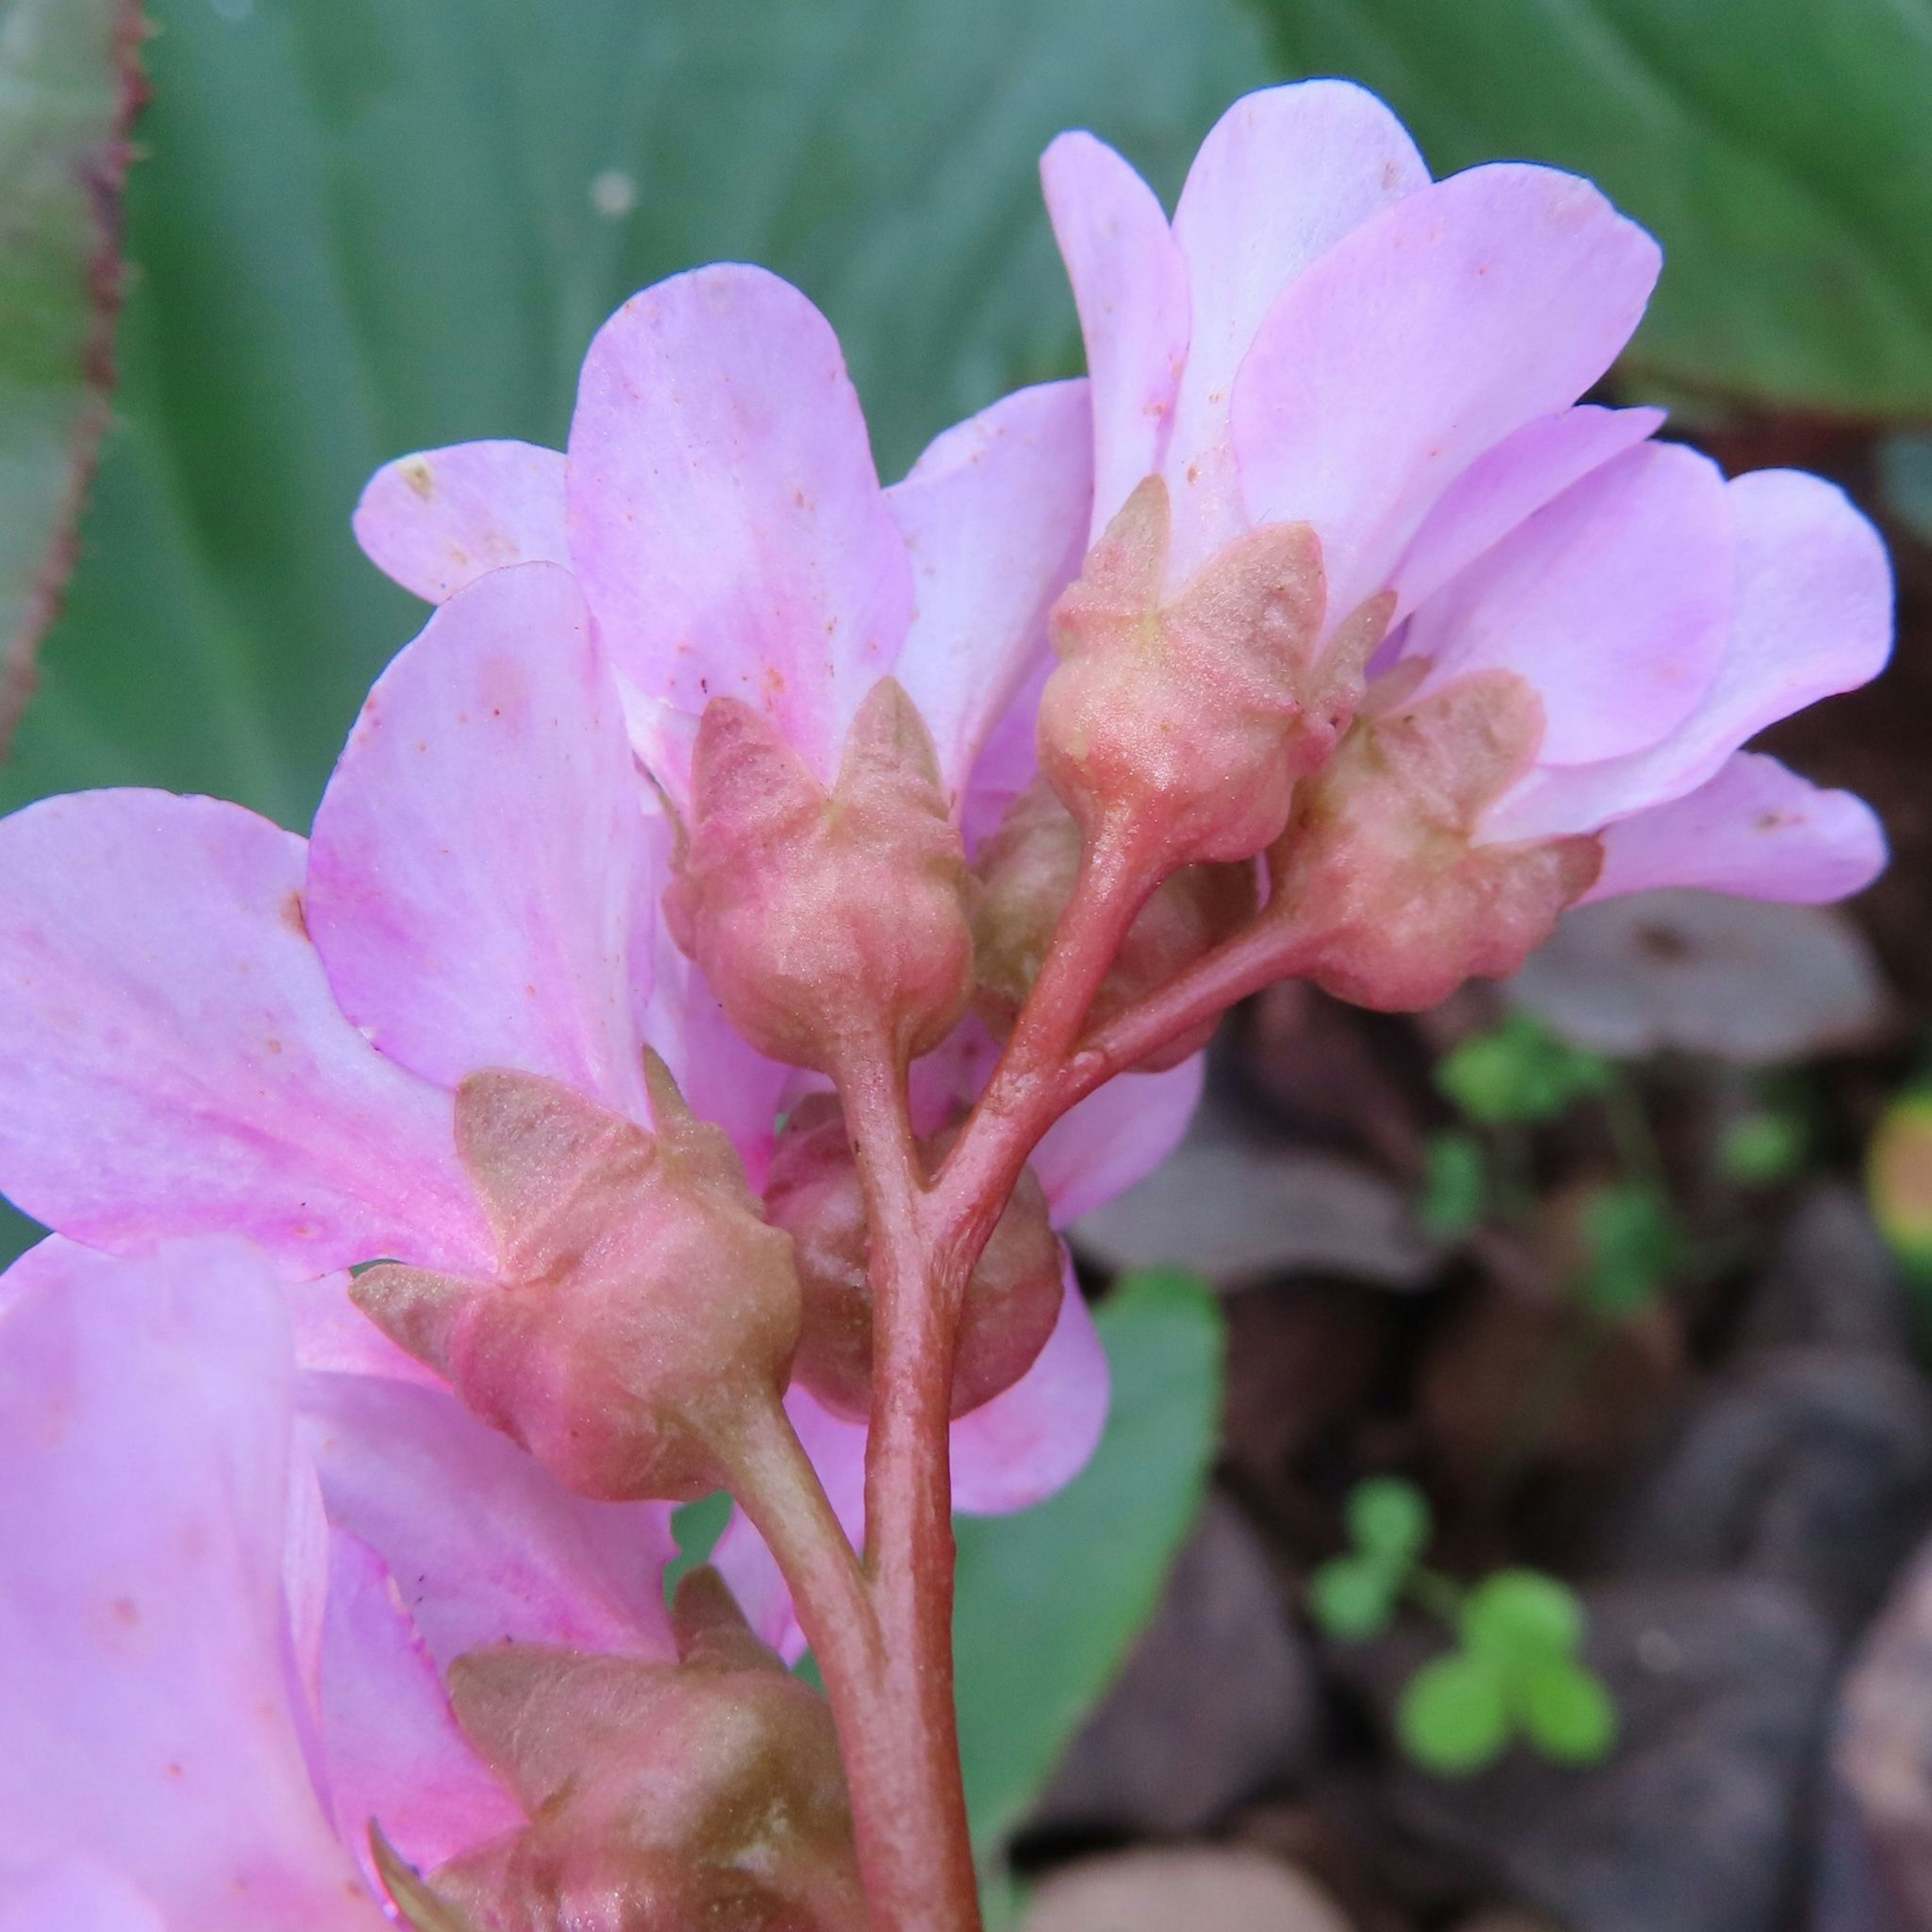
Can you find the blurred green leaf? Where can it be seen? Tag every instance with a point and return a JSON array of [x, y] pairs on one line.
[[1634, 1243], [1452, 1717], [1515, 1614], [1390, 1517], [1759, 1150], [1780, 149], [1455, 1185], [1519, 1072], [368, 228], [1350, 1597], [69, 88], [1905, 479], [1565, 1707], [1050, 1601]]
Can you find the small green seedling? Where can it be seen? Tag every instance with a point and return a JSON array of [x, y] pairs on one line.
[[1519, 1073], [1634, 1243], [1455, 1185], [1514, 1672], [1762, 1148]]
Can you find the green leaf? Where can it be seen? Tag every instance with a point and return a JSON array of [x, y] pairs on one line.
[[1565, 1707], [69, 87], [1761, 1149], [1350, 1596], [1780, 150], [1049, 1601], [1633, 1241], [1452, 1717], [1455, 1185], [1517, 1614], [1390, 1517], [1519, 1071]]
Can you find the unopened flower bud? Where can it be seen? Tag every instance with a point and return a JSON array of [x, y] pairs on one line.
[[1384, 897], [814, 1193], [823, 918], [1026, 872], [1185, 723], [642, 1303], [662, 1797]]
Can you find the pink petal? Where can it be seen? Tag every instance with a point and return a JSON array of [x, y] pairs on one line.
[[1115, 1137], [1614, 602], [1285, 174], [1007, 765], [1514, 480], [477, 859], [394, 1752], [725, 517], [1812, 616], [1023, 1446], [1756, 830], [145, 1693], [485, 1546], [76, 1895], [1130, 284], [440, 519], [1420, 341], [177, 1063], [995, 516]]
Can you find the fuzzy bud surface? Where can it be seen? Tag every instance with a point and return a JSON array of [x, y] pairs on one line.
[[1189, 718], [1013, 1301], [1026, 872], [702, 1796], [642, 1301], [1386, 896], [820, 916]]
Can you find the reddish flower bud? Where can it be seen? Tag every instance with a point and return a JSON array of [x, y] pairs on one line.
[[1188, 722], [1026, 872], [662, 1797], [1012, 1302], [642, 1303], [821, 917], [1384, 897]]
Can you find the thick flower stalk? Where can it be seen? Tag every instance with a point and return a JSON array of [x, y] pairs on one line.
[[667, 1064]]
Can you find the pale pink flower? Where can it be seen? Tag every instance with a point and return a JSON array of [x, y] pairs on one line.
[[215, 1665], [719, 505], [1324, 334]]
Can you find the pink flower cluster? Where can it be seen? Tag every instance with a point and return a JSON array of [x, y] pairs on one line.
[[248, 1536]]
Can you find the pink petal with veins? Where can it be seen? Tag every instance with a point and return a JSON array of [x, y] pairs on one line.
[[179, 1065], [477, 861]]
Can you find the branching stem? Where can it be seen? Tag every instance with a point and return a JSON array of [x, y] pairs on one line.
[[882, 1631]]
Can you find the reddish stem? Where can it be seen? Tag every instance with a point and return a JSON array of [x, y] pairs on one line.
[[915, 1853], [883, 1638]]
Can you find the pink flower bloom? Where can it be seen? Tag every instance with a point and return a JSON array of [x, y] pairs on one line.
[[1324, 334], [719, 506], [208, 1687], [215, 1029]]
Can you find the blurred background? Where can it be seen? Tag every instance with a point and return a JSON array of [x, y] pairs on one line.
[[1515, 1513]]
